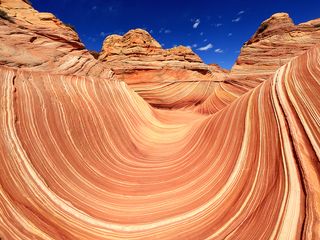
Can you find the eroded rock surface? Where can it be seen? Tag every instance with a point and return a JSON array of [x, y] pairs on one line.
[[169, 78], [275, 43], [39, 41], [73, 167], [137, 52], [83, 156]]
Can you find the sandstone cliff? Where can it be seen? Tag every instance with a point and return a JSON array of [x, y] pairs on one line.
[[276, 42], [39, 41], [137, 53], [173, 78], [85, 157]]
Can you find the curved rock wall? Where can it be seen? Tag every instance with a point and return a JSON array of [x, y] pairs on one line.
[[74, 167], [275, 43]]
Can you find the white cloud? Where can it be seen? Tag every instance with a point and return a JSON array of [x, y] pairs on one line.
[[205, 40], [94, 7], [163, 30], [196, 23], [241, 12], [206, 48], [188, 46], [201, 34], [103, 34], [218, 24], [194, 45], [236, 19], [218, 50], [229, 34], [151, 31]]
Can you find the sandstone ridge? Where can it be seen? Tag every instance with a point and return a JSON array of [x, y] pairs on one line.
[[275, 43]]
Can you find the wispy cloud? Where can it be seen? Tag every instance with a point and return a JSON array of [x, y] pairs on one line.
[[218, 50], [236, 19], [163, 30], [205, 40], [103, 34], [94, 8], [206, 48], [201, 34], [218, 25], [194, 45], [92, 39], [196, 23], [151, 31], [229, 34], [241, 12]]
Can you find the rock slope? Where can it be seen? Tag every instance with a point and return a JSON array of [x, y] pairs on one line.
[[125, 170], [39, 41], [138, 52], [173, 78], [275, 43], [83, 156]]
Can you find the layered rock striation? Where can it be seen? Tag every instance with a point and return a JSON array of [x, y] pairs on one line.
[[275, 43], [126, 170], [166, 78], [137, 53], [39, 41], [83, 156]]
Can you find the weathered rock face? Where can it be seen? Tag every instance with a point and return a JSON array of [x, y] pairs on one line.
[[137, 52], [275, 43], [87, 158], [83, 158], [40, 41], [172, 78]]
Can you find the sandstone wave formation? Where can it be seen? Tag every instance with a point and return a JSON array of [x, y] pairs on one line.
[[275, 43], [84, 155], [173, 78], [41, 42]]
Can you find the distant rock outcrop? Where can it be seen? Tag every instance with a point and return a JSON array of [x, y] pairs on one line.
[[40, 41], [275, 43], [170, 78], [137, 52]]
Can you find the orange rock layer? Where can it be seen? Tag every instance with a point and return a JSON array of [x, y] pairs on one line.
[[84, 155], [88, 159], [39, 41], [275, 43], [137, 51], [173, 78]]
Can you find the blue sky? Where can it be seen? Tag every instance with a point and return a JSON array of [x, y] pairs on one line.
[[215, 30]]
